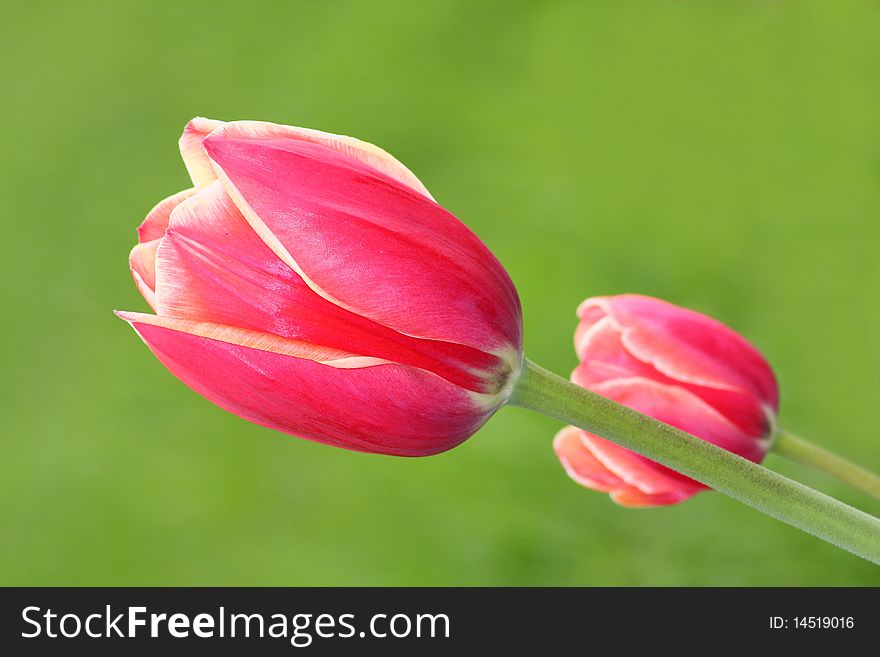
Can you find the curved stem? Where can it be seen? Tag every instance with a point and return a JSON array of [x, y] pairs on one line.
[[803, 451], [780, 497]]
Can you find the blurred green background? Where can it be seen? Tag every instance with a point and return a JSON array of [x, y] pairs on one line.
[[722, 155]]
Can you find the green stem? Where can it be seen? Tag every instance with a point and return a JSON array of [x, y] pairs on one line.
[[803, 451], [780, 497]]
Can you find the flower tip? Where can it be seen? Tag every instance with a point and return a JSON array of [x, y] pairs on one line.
[[202, 125], [591, 304]]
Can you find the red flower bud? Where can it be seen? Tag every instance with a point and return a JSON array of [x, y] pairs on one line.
[[676, 365], [311, 284]]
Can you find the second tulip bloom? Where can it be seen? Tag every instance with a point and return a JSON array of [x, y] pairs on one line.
[[674, 364]]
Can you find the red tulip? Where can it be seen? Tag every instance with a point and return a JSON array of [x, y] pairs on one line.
[[674, 364], [310, 283]]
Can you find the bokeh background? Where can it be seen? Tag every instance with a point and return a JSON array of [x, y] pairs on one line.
[[722, 155]]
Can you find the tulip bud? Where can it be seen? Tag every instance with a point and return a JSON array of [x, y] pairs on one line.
[[309, 283], [678, 366]]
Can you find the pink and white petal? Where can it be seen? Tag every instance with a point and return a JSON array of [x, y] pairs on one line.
[[740, 407], [370, 244], [197, 162], [582, 332], [634, 498], [692, 348], [362, 151], [685, 410], [248, 338], [635, 470], [213, 267], [154, 226], [142, 262], [575, 454], [590, 311], [590, 374], [580, 464], [383, 408], [603, 356]]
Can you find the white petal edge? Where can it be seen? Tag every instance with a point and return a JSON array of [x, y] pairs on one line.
[[256, 340]]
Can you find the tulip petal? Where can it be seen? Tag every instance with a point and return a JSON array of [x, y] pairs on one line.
[[580, 464], [362, 151], [197, 162], [697, 352], [689, 346], [635, 470], [369, 244], [584, 456], [248, 338], [603, 357], [156, 223], [213, 267], [632, 497], [682, 409], [384, 408], [142, 262]]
